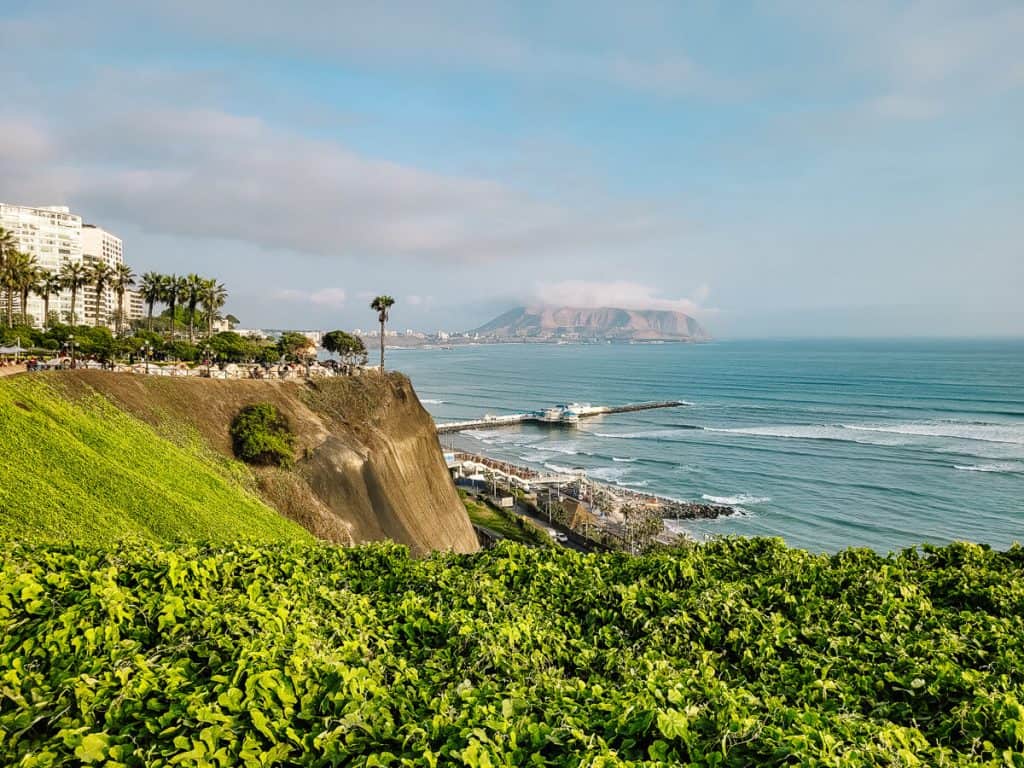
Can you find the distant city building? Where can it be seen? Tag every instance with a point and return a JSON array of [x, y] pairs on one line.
[[135, 306], [443, 336], [53, 235], [98, 245]]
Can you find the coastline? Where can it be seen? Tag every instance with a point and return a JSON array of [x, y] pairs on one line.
[[604, 513]]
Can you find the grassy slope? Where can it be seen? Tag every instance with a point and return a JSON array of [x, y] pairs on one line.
[[88, 472], [506, 523]]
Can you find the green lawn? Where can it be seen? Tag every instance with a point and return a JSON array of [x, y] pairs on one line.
[[87, 472], [509, 525]]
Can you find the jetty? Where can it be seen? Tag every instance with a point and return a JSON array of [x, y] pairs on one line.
[[558, 415]]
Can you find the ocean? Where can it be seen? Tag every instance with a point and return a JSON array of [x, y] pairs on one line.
[[828, 444]]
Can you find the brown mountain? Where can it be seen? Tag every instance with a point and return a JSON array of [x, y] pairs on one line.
[[543, 323]]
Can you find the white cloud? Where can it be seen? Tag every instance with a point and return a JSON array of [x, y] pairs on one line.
[[620, 294], [210, 174], [325, 297]]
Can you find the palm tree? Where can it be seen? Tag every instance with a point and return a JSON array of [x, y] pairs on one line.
[[174, 290], [213, 296], [100, 275], [26, 276], [194, 287], [381, 305], [74, 275], [48, 284], [152, 290], [122, 280], [16, 277]]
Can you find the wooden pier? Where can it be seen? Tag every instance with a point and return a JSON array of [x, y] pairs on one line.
[[538, 417]]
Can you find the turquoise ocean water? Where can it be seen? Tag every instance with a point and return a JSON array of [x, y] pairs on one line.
[[828, 444]]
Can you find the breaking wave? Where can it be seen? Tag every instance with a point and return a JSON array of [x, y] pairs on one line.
[[733, 501]]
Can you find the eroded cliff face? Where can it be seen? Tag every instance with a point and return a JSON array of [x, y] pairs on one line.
[[369, 466]]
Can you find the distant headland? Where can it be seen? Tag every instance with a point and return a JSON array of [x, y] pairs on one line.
[[547, 323]]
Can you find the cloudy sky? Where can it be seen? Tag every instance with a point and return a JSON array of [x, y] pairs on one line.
[[775, 168]]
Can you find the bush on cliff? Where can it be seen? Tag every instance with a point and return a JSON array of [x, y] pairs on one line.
[[261, 435]]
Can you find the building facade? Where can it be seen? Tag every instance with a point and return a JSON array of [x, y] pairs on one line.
[[98, 245], [53, 235]]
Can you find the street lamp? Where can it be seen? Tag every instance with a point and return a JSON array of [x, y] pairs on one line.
[[146, 350], [207, 351], [71, 347]]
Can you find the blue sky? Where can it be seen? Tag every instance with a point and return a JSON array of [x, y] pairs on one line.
[[774, 168]]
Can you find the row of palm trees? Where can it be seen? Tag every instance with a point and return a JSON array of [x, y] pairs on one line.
[[190, 292], [21, 276]]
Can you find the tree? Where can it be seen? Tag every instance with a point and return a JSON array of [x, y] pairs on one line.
[[17, 275], [100, 275], [122, 280], [349, 348], [152, 290], [213, 296], [195, 286], [47, 285], [381, 305], [174, 290], [74, 276], [293, 345], [26, 276], [8, 247]]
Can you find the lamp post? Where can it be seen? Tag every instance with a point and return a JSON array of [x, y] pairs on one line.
[[71, 347], [146, 350], [207, 351]]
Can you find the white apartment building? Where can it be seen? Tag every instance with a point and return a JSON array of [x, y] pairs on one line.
[[53, 235], [98, 245], [134, 305]]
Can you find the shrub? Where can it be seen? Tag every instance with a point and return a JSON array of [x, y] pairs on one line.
[[261, 435]]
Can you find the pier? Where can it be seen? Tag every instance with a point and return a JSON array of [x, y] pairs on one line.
[[565, 415]]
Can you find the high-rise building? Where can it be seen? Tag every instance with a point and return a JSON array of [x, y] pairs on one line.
[[135, 307], [53, 235], [98, 245]]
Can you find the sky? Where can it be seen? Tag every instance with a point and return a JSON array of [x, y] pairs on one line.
[[772, 168]]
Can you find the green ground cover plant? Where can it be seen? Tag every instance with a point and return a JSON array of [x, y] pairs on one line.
[[83, 470], [734, 653], [261, 435]]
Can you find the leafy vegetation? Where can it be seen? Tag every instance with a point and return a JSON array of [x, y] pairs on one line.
[[260, 434], [83, 470], [348, 347], [735, 653]]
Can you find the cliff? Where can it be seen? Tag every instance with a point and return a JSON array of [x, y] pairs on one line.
[[611, 323], [368, 466]]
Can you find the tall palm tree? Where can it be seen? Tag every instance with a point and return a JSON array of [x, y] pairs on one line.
[[26, 276], [74, 275], [100, 275], [10, 281], [381, 305], [8, 248], [174, 291], [152, 290], [48, 284], [122, 280], [213, 296], [194, 287]]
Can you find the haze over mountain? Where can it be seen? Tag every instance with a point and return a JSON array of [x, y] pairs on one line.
[[542, 323]]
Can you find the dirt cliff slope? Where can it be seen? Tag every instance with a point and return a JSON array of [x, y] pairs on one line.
[[368, 466]]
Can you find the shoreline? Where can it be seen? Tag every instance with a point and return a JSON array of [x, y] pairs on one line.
[[598, 510]]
